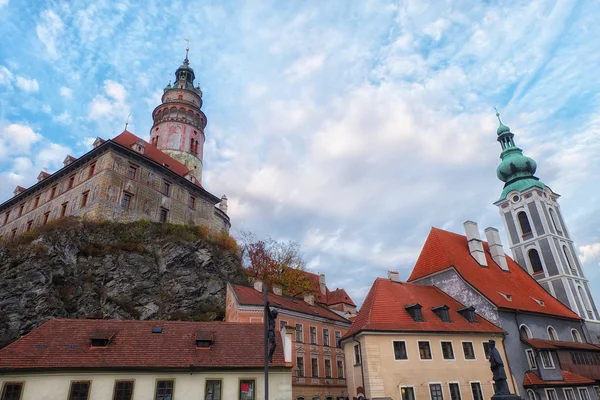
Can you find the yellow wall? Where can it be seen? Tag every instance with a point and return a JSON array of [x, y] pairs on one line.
[[55, 386], [384, 375]]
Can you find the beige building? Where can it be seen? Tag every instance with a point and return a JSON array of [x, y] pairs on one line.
[[140, 360], [412, 342]]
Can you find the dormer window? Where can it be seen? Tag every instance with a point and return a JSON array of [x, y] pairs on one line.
[[540, 302], [204, 339], [468, 313], [443, 312], [101, 338], [98, 342], [506, 296], [415, 312]]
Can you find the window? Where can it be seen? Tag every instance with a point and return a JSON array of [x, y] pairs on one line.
[[524, 222], [551, 394], [21, 209], [6, 217], [356, 354], [338, 337], [415, 312], [63, 210], [566, 253], [447, 351], [576, 336], [531, 358], [79, 390], [569, 394], [164, 214], [476, 390], [12, 391], [524, 332], [282, 324], [597, 390], [314, 367], [424, 351], [192, 203], [408, 393], [486, 350], [552, 335], [123, 390], [400, 350], [583, 393], [71, 182], [555, 222], [131, 172], [247, 390], [327, 368], [586, 302], [536, 262], [213, 390], [313, 335], [530, 394], [46, 217], [340, 368], [166, 188], [299, 334], [36, 202], [126, 201], [454, 391], [13, 233], [325, 337], [468, 350], [300, 367], [84, 198], [442, 313], [547, 361], [53, 192], [435, 389], [92, 170], [29, 225], [164, 390]]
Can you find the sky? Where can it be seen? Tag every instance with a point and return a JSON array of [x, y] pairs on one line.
[[351, 127]]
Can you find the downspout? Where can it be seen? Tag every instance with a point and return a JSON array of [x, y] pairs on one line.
[[362, 372]]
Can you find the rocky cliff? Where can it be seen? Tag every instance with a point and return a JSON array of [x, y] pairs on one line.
[[140, 270]]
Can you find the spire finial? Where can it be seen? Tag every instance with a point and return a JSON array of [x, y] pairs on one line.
[[127, 122], [187, 48], [497, 114], [501, 128]]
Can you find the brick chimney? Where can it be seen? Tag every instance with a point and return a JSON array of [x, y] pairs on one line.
[[322, 285], [394, 276], [278, 290], [258, 286], [309, 299], [496, 249], [474, 242]]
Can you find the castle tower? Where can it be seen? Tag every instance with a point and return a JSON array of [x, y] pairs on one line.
[[179, 122], [539, 238]]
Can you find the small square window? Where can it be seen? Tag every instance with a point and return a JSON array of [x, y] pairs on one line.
[[84, 198], [164, 215], [486, 350], [53, 192], [132, 171], [164, 390], [476, 390], [12, 391], [126, 200], [468, 350], [447, 351], [92, 170], [79, 390], [166, 188], [123, 390], [408, 393], [213, 390], [424, 351], [247, 390], [71, 181], [36, 202], [400, 350], [192, 202], [63, 209]]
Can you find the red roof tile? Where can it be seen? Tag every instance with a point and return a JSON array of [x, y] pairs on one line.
[[384, 310], [329, 298], [249, 296], [65, 343], [556, 344], [443, 250], [339, 296], [569, 379]]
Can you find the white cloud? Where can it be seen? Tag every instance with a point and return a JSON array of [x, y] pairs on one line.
[[305, 66], [110, 106], [19, 138], [48, 30], [437, 28], [3, 3], [590, 252], [27, 85], [66, 92], [64, 118], [46, 108], [5, 76]]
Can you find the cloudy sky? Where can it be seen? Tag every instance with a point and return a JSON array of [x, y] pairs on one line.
[[351, 127]]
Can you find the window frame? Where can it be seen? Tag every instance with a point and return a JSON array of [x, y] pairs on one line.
[[486, 354], [478, 383], [303, 375], [597, 390], [63, 209], [299, 333], [523, 233], [531, 391], [89, 388], [463, 342], [430, 350], [550, 358], [327, 342], [530, 356], [192, 202], [330, 368], [46, 217], [570, 389], [36, 201], [84, 198], [457, 383], [163, 211], [357, 355], [338, 336], [429, 384], [164, 380], [71, 182], [242, 380], [451, 349], [92, 170], [6, 217], [411, 387], [312, 371], [166, 187], [132, 168], [7, 383], [207, 380], [529, 334], [394, 350], [541, 269], [310, 335], [587, 393], [21, 209], [129, 202], [117, 381], [29, 225], [549, 329], [577, 337], [53, 191], [551, 390], [343, 369]]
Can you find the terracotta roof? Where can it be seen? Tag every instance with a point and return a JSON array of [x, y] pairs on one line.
[[384, 310], [569, 379], [66, 343], [339, 296], [556, 344], [443, 250], [329, 298], [250, 297], [20, 189]]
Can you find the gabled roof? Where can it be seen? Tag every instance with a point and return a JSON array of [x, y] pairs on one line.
[[569, 379], [556, 344], [443, 250], [384, 310], [330, 297], [249, 296], [66, 343]]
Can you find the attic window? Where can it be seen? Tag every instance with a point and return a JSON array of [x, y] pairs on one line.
[[100, 342], [468, 313], [101, 338], [442, 312], [157, 329], [204, 339], [415, 312], [540, 302], [506, 296]]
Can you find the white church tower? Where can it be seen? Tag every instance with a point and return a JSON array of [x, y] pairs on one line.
[[538, 236]]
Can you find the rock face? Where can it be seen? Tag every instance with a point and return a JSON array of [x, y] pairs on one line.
[[140, 270]]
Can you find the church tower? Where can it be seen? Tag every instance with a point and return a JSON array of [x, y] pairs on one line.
[[179, 122], [539, 238]]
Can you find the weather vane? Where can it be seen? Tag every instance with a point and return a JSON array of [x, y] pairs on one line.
[[187, 47], [127, 122], [497, 114]]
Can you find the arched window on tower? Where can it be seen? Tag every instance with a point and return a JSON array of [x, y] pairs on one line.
[[586, 303], [555, 222], [568, 258], [524, 332], [576, 336], [192, 149], [552, 335], [535, 260], [524, 222]]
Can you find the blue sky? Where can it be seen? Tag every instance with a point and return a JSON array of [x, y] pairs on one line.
[[351, 127]]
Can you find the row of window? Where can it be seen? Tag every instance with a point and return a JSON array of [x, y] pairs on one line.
[[581, 358], [123, 390], [313, 335], [436, 391], [545, 356], [314, 368], [525, 333], [568, 392]]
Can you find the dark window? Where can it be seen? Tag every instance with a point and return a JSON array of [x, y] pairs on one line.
[[424, 351], [282, 324], [435, 389], [338, 336], [21, 209], [13, 234], [476, 389], [29, 225], [84, 198], [468, 350], [325, 337], [566, 252], [536, 262], [327, 368], [192, 202], [79, 390], [166, 188], [486, 350], [131, 171], [300, 367], [6, 217], [415, 312], [213, 390], [71, 181], [524, 222], [12, 391], [400, 351], [554, 221], [356, 354], [63, 210], [203, 343], [164, 390], [53, 192], [524, 332], [164, 214], [447, 351], [468, 313], [36, 202], [408, 393], [340, 367], [123, 390], [314, 367], [126, 200], [454, 391], [92, 170], [299, 333], [313, 335], [247, 390], [46, 217], [442, 312]]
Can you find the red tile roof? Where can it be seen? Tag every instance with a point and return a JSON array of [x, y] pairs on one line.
[[384, 310], [65, 343], [329, 298], [249, 296], [569, 379], [556, 344], [20, 189], [443, 250]]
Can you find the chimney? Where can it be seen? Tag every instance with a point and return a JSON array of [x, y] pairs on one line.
[[496, 250], [309, 299], [475, 243], [258, 286], [322, 285], [223, 204], [278, 290], [394, 276]]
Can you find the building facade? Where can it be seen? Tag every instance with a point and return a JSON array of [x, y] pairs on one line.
[[539, 238], [319, 370], [127, 178], [136, 360], [415, 342]]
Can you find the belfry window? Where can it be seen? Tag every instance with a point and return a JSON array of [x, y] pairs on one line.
[[524, 222], [555, 222], [586, 303], [536, 262], [566, 253]]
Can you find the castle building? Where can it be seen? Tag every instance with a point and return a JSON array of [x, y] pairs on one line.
[[127, 178], [538, 235]]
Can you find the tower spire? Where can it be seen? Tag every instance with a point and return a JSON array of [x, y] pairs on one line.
[[187, 50]]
